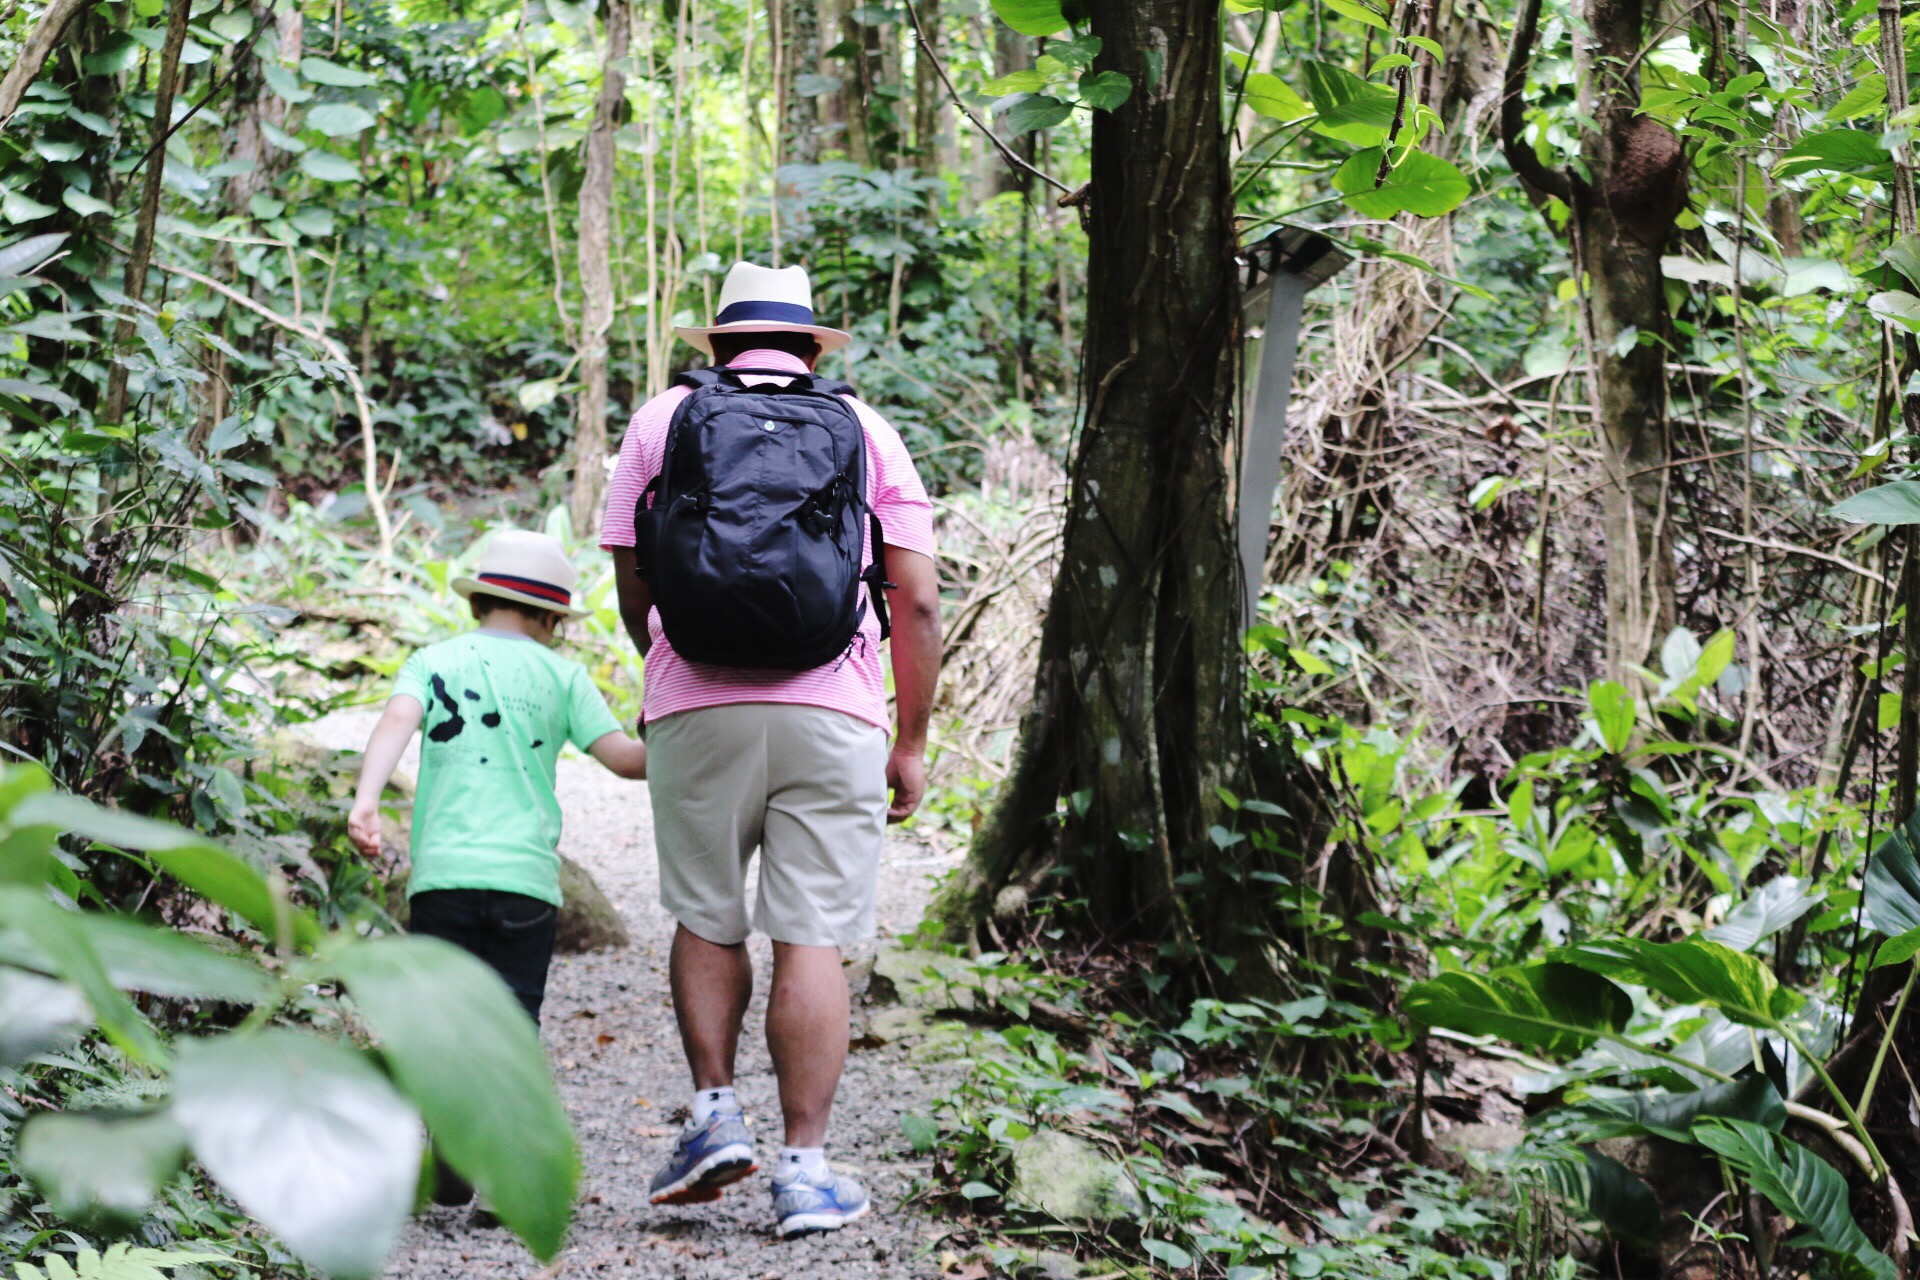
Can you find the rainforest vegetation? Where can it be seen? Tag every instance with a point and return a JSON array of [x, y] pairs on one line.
[[1516, 874]]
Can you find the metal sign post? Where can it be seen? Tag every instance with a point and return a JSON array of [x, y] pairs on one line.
[[1281, 270]]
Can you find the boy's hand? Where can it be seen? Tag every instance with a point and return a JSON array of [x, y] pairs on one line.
[[363, 825], [907, 780]]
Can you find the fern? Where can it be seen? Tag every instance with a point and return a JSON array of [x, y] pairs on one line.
[[119, 1262]]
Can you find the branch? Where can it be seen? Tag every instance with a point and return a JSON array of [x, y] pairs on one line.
[[1012, 156], [34, 54], [376, 494], [1521, 157]]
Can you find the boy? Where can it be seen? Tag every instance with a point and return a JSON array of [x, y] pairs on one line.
[[496, 705]]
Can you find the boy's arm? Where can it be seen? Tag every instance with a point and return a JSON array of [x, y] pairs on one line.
[[915, 605], [626, 756], [385, 746]]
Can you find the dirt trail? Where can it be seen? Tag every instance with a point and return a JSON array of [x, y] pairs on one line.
[[609, 1031]]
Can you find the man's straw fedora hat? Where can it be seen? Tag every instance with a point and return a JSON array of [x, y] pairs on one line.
[[762, 300]]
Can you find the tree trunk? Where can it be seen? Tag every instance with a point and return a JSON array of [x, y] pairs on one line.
[[1633, 185], [1623, 216], [595, 241], [929, 96], [1014, 52], [1137, 713], [255, 105], [799, 35], [135, 281]]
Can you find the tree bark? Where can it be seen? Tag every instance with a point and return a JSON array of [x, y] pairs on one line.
[[800, 56], [929, 97], [34, 53], [1137, 714], [134, 284], [595, 243], [255, 106], [1623, 206]]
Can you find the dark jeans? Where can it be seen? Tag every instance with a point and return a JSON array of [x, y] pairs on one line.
[[511, 932]]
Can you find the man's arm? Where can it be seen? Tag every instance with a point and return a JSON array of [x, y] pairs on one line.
[[385, 746], [636, 597], [915, 605]]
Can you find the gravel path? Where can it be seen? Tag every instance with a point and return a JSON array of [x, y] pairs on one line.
[[608, 1028]]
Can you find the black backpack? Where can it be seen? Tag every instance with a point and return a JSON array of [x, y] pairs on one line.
[[751, 535]]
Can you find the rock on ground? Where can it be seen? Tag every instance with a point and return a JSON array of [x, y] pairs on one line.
[[608, 1028]]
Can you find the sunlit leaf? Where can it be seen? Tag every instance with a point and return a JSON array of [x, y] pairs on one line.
[[323, 71], [465, 1052], [308, 1137], [1767, 910], [1554, 1008], [1032, 17], [1691, 971], [1421, 184], [99, 1171], [1895, 503], [340, 119], [1270, 96]]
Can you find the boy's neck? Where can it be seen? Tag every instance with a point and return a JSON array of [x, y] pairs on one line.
[[505, 622]]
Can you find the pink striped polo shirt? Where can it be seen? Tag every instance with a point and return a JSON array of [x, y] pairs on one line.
[[854, 683]]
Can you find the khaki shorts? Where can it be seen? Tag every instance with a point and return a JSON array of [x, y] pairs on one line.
[[804, 785]]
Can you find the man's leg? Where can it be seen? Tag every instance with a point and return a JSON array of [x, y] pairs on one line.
[[807, 1026], [712, 985]]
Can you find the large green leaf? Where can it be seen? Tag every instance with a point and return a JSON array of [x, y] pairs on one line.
[[1421, 184], [1692, 971], [1896, 503], [1351, 109], [1554, 1008], [1672, 1115], [1834, 151], [101, 1172], [1624, 1204], [1614, 711], [340, 119], [1765, 912], [1898, 306], [1892, 897], [190, 858], [1026, 112], [1270, 96], [466, 1053], [308, 1137], [1802, 1186], [321, 71], [1032, 17], [324, 166], [59, 936], [160, 962]]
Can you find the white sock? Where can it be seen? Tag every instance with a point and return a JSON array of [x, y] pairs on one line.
[[794, 1161], [708, 1101]]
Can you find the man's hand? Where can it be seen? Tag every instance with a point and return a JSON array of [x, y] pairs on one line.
[[363, 826], [907, 781]]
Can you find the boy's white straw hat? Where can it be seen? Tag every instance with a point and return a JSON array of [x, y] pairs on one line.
[[761, 300], [531, 568]]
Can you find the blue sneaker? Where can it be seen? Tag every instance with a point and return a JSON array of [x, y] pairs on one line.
[[823, 1202], [706, 1157]]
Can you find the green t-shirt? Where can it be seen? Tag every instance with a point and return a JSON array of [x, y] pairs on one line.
[[498, 709]]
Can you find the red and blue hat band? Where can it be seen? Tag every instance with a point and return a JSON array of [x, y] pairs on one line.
[[771, 312], [530, 587]]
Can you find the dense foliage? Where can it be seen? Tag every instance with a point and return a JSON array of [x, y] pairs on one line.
[[293, 309]]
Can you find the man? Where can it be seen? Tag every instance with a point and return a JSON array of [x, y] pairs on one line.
[[793, 762]]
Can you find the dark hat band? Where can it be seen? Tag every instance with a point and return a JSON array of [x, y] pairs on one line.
[[776, 312], [530, 587]]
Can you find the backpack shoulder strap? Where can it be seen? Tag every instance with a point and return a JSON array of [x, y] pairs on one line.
[[698, 378]]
